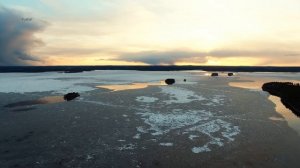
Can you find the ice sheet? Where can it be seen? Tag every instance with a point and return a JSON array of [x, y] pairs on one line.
[[79, 82]]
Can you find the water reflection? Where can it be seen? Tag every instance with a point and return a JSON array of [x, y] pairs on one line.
[[130, 86], [256, 84], [44, 100], [247, 84], [288, 115]]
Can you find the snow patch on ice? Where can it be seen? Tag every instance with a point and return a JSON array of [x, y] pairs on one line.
[[161, 123], [127, 147], [213, 129], [218, 99], [121, 140], [141, 130], [137, 136], [200, 149], [166, 144], [89, 157], [145, 99], [192, 137], [180, 95], [195, 123]]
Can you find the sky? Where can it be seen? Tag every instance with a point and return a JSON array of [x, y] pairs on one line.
[[156, 32]]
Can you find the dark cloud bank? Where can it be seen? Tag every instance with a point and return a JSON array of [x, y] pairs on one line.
[[171, 57], [17, 37], [165, 57]]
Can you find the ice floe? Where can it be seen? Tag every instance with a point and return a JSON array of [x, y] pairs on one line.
[[190, 123], [79, 82]]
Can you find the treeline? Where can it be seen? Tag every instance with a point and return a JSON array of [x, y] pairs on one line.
[[74, 69], [283, 89]]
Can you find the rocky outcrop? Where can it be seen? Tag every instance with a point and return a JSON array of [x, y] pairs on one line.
[[288, 92], [170, 81], [71, 96], [214, 74], [230, 74]]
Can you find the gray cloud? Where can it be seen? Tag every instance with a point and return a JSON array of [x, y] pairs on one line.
[[75, 52], [252, 53], [171, 57], [17, 37], [162, 57]]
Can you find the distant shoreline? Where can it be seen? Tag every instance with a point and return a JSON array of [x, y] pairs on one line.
[[75, 69]]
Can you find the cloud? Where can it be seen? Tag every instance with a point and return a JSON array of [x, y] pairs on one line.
[[75, 52], [17, 37], [162, 57], [174, 56], [253, 53]]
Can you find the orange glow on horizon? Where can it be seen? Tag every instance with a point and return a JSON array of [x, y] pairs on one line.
[[238, 61], [60, 61]]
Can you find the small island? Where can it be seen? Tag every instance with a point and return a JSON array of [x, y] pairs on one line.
[[288, 92]]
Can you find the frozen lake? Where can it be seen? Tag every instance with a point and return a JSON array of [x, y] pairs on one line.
[[132, 119]]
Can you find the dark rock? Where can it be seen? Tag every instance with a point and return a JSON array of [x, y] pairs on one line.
[[184, 80], [214, 74], [170, 81], [71, 96], [230, 74]]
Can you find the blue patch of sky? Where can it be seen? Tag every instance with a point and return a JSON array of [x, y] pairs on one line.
[[34, 5]]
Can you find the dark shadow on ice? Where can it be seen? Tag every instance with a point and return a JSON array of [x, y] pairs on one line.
[[24, 109]]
